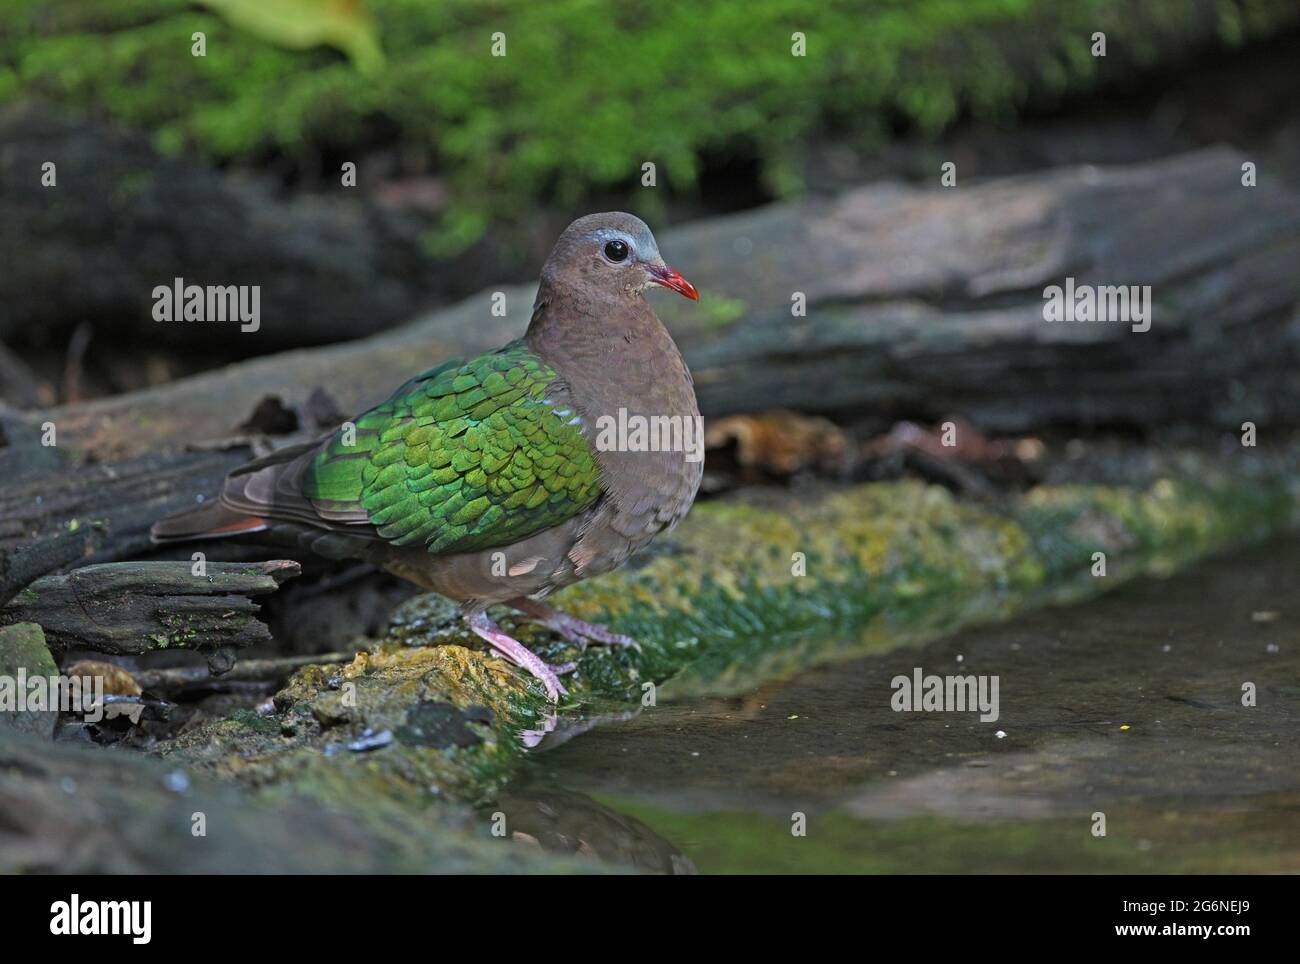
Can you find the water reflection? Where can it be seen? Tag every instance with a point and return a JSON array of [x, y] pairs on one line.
[[572, 824], [1130, 706]]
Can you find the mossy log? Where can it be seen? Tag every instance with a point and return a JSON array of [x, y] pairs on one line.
[[742, 592], [128, 608]]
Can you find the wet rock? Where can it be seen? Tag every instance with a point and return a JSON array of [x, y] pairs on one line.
[[433, 702], [425, 619], [442, 725]]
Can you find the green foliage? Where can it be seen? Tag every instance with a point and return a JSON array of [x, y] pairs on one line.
[[588, 89]]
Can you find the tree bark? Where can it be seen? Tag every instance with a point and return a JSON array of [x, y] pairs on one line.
[[130, 608], [64, 514]]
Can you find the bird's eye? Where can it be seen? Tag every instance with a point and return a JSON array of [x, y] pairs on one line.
[[616, 251]]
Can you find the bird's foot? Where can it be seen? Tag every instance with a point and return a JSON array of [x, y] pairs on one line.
[[519, 654], [573, 630]]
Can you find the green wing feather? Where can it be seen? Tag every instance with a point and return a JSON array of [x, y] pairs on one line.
[[467, 456]]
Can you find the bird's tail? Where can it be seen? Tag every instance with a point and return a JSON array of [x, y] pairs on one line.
[[251, 496], [210, 521]]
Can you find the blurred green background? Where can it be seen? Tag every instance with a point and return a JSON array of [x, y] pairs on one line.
[[588, 89]]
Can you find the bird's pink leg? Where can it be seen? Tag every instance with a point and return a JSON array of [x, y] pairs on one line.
[[517, 653], [574, 630]]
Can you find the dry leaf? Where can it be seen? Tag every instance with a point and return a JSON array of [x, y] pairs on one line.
[[781, 442]]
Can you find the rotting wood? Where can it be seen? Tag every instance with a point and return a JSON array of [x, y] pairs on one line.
[[129, 608]]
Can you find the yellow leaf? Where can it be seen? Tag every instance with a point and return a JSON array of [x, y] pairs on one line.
[[345, 25]]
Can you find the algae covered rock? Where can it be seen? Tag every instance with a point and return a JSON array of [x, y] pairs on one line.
[[430, 721], [24, 659]]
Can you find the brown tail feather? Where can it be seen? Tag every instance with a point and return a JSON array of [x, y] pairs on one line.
[[210, 521], [267, 489]]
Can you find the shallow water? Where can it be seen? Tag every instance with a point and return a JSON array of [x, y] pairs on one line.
[[1129, 706]]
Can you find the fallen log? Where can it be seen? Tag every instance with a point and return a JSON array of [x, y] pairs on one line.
[[187, 680], [130, 608], [921, 303], [63, 516]]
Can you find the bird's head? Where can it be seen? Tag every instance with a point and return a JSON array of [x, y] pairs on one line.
[[612, 252]]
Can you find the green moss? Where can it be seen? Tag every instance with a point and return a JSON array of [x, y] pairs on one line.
[[1165, 524], [589, 89], [251, 721], [905, 559], [334, 712]]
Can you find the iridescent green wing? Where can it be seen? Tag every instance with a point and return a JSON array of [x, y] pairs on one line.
[[467, 456]]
